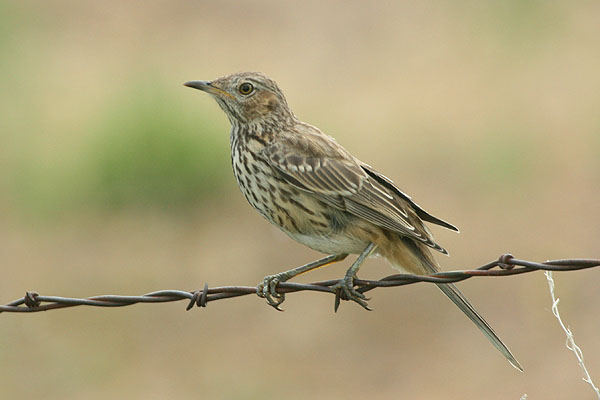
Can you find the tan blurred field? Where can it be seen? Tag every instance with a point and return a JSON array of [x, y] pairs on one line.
[[115, 179]]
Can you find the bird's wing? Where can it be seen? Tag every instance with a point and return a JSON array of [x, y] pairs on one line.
[[424, 215], [317, 164]]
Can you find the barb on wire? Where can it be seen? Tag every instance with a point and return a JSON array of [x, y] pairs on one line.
[[504, 266]]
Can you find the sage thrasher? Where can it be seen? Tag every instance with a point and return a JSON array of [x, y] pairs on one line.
[[314, 190]]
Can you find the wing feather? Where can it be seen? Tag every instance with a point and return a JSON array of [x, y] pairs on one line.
[[424, 215], [328, 171]]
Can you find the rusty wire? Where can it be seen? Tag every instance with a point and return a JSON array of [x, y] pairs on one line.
[[504, 266]]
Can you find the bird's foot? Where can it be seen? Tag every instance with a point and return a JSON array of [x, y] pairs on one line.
[[267, 289], [344, 290]]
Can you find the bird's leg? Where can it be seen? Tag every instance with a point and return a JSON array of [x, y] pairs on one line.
[[268, 287], [346, 285]]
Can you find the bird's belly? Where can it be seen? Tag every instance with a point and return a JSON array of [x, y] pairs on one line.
[[330, 244]]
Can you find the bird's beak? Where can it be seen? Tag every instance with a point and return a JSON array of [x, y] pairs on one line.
[[207, 87], [201, 85]]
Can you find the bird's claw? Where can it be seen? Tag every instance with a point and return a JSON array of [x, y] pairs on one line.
[[267, 289], [344, 290]]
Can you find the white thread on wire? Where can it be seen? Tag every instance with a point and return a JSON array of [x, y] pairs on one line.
[[570, 343]]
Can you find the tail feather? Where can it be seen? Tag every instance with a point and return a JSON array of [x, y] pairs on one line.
[[419, 260], [459, 299]]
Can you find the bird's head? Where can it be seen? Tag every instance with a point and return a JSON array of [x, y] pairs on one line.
[[247, 97]]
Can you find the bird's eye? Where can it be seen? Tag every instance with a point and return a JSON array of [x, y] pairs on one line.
[[246, 88]]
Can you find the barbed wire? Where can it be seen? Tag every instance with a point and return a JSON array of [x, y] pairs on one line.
[[506, 265]]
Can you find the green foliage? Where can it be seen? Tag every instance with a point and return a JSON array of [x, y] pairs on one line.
[[150, 153], [147, 148]]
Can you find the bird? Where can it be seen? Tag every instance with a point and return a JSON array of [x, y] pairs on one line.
[[305, 183]]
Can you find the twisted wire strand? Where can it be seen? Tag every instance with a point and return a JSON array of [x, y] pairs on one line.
[[504, 266]]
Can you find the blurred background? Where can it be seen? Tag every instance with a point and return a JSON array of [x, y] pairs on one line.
[[115, 179]]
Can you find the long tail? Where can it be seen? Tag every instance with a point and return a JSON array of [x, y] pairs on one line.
[[457, 297], [428, 263]]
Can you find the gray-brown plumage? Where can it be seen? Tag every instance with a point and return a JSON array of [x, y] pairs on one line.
[[313, 189]]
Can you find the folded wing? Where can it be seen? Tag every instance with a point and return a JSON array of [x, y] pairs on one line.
[[316, 164]]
